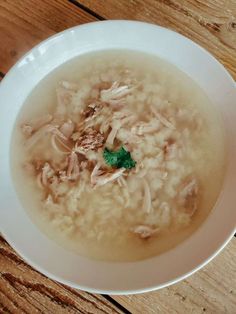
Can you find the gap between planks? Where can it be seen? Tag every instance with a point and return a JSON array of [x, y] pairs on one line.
[[99, 17], [25, 289], [88, 10]]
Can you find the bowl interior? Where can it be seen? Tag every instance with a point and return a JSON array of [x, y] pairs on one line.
[[103, 277]]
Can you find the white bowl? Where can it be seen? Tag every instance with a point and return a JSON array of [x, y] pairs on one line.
[[106, 277]]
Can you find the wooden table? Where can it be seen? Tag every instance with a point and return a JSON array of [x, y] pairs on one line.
[[212, 24]]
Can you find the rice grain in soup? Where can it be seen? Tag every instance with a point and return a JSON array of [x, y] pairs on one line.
[[117, 149]]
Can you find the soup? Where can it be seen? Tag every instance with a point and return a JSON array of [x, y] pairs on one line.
[[122, 155]]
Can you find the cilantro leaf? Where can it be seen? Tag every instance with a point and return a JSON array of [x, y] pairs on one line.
[[129, 163], [118, 159]]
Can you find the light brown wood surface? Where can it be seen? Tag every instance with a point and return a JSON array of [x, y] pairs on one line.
[[24, 23], [23, 290], [211, 23], [210, 290]]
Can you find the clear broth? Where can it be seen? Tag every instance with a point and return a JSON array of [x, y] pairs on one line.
[[177, 88]]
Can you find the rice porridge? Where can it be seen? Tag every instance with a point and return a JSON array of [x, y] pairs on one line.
[[122, 155]]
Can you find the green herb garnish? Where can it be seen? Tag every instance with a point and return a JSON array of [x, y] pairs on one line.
[[119, 159]]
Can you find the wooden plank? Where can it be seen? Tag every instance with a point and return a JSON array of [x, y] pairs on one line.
[[25, 23], [211, 290], [212, 23], [24, 290]]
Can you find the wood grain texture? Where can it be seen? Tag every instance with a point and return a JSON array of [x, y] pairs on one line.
[[211, 290], [25, 23], [210, 23], [24, 290]]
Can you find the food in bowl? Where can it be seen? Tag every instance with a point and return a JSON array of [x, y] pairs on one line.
[[116, 149]]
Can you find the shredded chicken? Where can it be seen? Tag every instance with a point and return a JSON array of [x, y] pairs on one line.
[[164, 214], [89, 140], [36, 124], [99, 177], [111, 137], [162, 119], [122, 182], [91, 111], [63, 176], [65, 93], [47, 174], [143, 128], [59, 145], [188, 196], [125, 190], [95, 174], [145, 231], [115, 93], [41, 133], [73, 169], [67, 128], [147, 203], [99, 126], [119, 120], [123, 117]]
